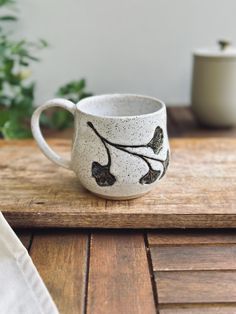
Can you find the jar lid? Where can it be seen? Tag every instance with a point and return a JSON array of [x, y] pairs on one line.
[[223, 50]]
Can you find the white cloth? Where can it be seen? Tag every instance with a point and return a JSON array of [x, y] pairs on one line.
[[22, 291]]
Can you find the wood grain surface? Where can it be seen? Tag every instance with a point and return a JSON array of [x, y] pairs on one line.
[[191, 236], [107, 256], [61, 259], [196, 286], [194, 257], [194, 270], [198, 191], [112, 272], [119, 282], [225, 308]]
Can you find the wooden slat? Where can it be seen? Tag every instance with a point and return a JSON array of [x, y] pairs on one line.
[[61, 259], [176, 257], [119, 280], [25, 236], [198, 191], [196, 286], [197, 257], [199, 309], [165, 237]]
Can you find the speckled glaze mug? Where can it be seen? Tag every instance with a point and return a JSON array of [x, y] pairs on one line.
[[120, 148]]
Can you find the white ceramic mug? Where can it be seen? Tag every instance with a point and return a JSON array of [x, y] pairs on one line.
[[120, 148]]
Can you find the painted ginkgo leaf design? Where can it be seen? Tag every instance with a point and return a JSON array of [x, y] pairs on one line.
[[165, 164], [150, 177], [102, 173], [156, 142]]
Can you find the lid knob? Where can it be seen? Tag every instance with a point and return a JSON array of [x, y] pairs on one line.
[[224, 44]]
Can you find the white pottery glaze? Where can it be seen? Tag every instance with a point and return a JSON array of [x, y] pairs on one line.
[[120, 148], [214, 86]]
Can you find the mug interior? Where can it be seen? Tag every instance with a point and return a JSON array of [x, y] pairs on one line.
[[119, 105]]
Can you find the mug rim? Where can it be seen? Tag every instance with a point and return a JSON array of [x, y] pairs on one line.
[[84, 100]]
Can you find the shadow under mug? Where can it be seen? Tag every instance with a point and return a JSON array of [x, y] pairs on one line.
[[120, 148]]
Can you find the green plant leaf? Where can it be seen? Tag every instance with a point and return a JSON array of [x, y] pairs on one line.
[[24, 63], [16, 94], [32, 57], [8, 18], [79, 85], [8, 66], [74, 90], [4, 117], [6, 2], [5, 101], [45, 120], [43, 42], [61, 119], [84, 95], [72, 87], [13, 131]]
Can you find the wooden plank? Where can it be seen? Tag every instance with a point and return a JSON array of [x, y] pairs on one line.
[[175, 237], [61, 259], [226, 308], [119, 279], [197, 257], [198, 191], [25, 236], [196, 286]]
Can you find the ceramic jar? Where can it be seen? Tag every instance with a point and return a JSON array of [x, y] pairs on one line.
[[214, 86]]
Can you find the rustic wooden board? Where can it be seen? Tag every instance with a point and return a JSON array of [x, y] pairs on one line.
[[198, 191], [61, 259], [216, 308], [119, 279], [196, 286], [191, 237], [194, 257], [194, 270]]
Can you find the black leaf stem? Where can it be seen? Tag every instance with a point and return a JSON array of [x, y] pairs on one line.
[[122, 148], [134, 154], [104, 141], [131, 146], [108, 153]]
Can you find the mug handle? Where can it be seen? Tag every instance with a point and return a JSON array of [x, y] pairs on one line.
[[35, 127]]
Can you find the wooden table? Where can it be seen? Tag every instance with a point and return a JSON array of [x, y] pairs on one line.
[[167, 271]]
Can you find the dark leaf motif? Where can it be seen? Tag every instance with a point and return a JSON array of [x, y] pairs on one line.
[[102, 174], [157, 140], [165, 164], [150, 177]]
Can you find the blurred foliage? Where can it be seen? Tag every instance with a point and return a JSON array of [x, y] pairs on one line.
[[16, 88], [61, 119]]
